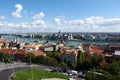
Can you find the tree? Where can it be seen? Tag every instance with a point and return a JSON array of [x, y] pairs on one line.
[[80, 60], [104, 76], [86, 65], [29, 57], [98, 62], [51, 61], [102, 63], [40, 59], [49, 54], [90, 76], [5, 57], [95, 61], [62, 64], [114, 68], [74, 64], [56, 55], [80, 57]]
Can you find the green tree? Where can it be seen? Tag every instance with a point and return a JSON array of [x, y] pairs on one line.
[[56, 55], [74, 64], [86, 65], [80, 60], [50, 61], [4, 57], [40, 59], [117, 77], [102, 63], [105, 76], [49, 54], [80, 57], [90, 76], [63, 65], [114, 68], [98, 62], [29, 57], [95, 61]]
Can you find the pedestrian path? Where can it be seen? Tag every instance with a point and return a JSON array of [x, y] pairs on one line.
[[11, 65]]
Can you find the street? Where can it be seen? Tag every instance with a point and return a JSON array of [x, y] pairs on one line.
[[5, 74], [7, 69]]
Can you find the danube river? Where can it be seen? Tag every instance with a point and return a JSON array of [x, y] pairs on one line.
[[68, 43], [29, 40]]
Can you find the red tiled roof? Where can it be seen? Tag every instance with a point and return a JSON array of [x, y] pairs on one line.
[[69, 52], [96, 50], [14, 51], [22, 52], [97, 47], [39, 53]]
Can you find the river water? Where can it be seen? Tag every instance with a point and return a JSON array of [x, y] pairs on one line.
[[30, 40], [68, 43]]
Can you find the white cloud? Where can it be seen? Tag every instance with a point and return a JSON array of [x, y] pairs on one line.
[[94, 24], [58, 21], [61, 17], [1, 24], [10, 25], [108, 22], [38, 22], [2, 17], [17, 13], [90, 24], [24, 25], [39, 15]]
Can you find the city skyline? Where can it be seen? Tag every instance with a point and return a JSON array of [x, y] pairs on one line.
[[21, 16]]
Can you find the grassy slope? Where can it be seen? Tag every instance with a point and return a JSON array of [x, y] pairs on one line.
[[37, 75]]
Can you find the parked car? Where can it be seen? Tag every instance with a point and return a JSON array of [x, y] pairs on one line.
[[72, 72]]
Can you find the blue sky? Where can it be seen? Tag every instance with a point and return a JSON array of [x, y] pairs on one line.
[[54, 15]]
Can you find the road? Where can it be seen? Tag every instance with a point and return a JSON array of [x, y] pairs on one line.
[[4, 74], [7, 69]]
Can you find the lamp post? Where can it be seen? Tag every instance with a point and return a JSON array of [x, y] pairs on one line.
[[94, 73], [14, 60], [31, 65], [13, 63]]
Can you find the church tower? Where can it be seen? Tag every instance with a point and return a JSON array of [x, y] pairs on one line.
[[59, 34]]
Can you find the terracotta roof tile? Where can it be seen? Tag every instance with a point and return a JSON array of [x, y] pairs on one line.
[[14, 51], [69, 52], [21, 51], [96, 50], [39, 53]]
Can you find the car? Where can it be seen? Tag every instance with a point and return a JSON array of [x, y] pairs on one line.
[[72, 73]]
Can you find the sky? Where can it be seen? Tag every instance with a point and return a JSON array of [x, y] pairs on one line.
[[24, 16]]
